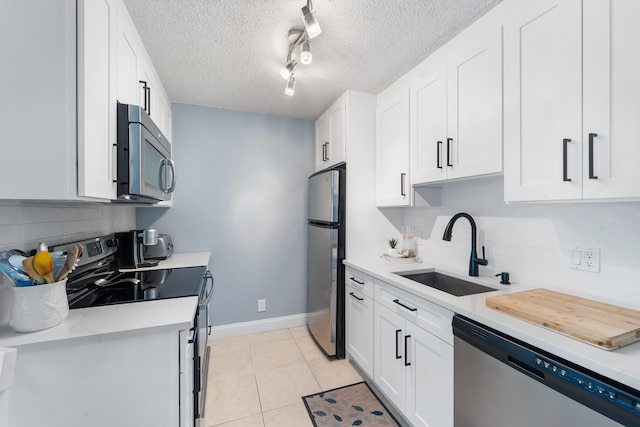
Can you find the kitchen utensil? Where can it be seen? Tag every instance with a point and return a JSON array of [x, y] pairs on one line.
[[16, 262], [43, 264], [603, 325], [72, 256], [31, 271]]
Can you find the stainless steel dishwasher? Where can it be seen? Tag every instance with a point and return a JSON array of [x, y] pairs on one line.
[[500, 381]]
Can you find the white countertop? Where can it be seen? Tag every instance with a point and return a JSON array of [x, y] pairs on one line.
[[622, 364], [133, 318]]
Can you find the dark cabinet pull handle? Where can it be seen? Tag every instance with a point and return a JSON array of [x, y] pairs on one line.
[[397, 301], [149, 104], [406, 346], [439, 155], [325, 151], [398, 332], [564, 160], [145, 88], [402, 179], [591, 136], [449, 141], [354, 295], [356, 280]]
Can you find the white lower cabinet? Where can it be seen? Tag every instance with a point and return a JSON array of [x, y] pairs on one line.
[[359, 319], [412, 355], [429, 396], [360, 329], [137, 378]]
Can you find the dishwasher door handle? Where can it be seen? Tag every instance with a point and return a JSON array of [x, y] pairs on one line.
[[524, 368]]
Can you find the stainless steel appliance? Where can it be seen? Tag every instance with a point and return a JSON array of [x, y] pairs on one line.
[[163, 249], [500, 381], [97, 281], [326, 250], [146, 173]]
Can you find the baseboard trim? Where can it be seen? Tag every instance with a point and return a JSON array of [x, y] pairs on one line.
[[257, 326]]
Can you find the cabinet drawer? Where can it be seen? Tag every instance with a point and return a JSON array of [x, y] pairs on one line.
[[429, 316], [359, 281]]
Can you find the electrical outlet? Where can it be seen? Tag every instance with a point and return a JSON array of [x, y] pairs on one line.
[[585, 259], [262, 305]]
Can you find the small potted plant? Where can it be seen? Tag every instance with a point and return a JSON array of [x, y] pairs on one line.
[[393, 249]]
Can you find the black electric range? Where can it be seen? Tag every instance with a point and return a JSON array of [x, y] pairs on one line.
[[97, 280]]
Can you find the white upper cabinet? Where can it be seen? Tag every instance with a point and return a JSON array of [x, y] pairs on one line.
[[474, 100], [392, 148], [59, 126], [543, 101], [611, 125], [331, 135], [428, 117], [571, 100], [456, 107], [137, 80], [96, 92]]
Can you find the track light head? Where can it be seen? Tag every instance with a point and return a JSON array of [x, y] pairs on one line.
[[310, 21], [305, 53], [288, 69], [291, 86]]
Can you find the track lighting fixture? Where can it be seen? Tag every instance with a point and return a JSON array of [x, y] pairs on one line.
[[288, 68], [291, 86], [300, 36], [310, 20], [305, 53]]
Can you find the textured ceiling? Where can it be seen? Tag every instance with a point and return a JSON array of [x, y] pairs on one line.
[[228, 54]]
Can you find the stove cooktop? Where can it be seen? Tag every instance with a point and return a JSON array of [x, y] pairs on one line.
[[118, 288]]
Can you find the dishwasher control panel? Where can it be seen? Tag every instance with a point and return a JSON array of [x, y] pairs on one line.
[[597, 388], [596, 392]]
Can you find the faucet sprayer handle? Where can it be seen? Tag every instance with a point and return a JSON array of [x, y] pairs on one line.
[[483, 260]]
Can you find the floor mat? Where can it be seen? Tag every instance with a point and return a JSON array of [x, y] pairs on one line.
[[352, 405]]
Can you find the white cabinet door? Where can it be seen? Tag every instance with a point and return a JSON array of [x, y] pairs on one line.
[[392, 148], [474, 119], [322, 141], [337, 132], [429, 379], [96, 98], [359, 329], [611, 66], [331, 135], [389, 369], [128, 52], [543, 101], [428, 119]]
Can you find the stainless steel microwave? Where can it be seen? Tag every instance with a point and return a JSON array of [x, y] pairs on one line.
[[146, 173]]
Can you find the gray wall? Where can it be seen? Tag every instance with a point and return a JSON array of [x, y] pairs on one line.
[[242, 195]]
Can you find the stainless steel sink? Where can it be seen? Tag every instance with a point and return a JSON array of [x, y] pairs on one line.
[[448, 284]]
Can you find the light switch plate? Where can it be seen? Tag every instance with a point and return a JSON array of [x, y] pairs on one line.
[[585, 259]]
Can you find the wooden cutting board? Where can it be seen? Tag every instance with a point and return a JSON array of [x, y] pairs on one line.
[[604, 325]]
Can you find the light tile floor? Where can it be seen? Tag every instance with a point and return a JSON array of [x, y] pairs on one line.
[[258, 380]]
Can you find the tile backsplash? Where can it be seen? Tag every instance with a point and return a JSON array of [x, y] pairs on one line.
[[23, 225], [534, 242]]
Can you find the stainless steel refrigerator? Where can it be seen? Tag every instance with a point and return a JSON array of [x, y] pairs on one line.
[[325, 273]]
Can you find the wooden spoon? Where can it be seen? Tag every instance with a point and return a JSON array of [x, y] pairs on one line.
[[43, 264], [27, 263], [72, 256]]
